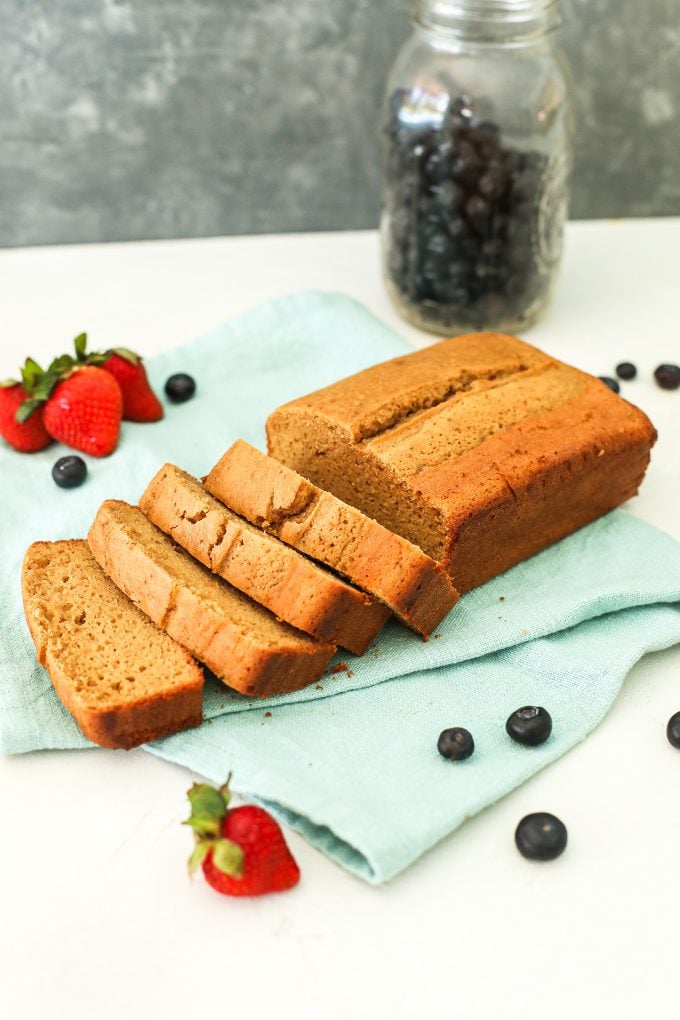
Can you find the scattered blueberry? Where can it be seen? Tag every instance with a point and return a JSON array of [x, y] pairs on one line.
[[69, 472], [180, 387], [611, 383], [673, 730], [530, 725], [541, 837], [668, 376], [456, 744], [626, 370], [452, 175]]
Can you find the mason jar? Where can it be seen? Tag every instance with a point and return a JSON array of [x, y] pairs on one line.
[[475, 163]]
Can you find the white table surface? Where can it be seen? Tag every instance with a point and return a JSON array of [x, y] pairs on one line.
[[97, 917]]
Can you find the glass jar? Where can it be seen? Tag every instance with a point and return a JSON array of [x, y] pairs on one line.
[[475, 161]]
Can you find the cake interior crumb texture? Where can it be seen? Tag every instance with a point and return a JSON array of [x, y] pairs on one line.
[[289, 584], [124, 680], [481, 449], [321, 526], [239, 640]]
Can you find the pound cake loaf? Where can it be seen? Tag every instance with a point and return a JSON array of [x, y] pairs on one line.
[[122, 679], [318, 524], [242, 643], [294, 588], [480, 449]]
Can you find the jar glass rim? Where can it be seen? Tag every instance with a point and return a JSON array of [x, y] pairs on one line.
[[507, 11], [499, 8]]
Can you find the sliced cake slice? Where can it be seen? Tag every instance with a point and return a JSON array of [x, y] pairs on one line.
[[293, 587], [123, 680], [283, 503], [242, 643]]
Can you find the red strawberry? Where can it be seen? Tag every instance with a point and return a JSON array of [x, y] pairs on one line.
[[242, 850], [140, 403], [84, 411], [29, 436]]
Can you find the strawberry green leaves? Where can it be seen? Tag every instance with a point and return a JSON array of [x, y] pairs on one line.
[[39, 384], [80, 344], [208, 811]]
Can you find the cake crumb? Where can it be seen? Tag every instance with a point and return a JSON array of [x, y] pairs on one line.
[[350, 673], [318, 687], [436, 635], [501, 598], [524, 631], [267, 715], [340, 667]]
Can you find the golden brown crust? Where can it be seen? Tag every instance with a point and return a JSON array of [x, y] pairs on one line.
[[89, 636], [321, 526], [293, 587], [128, 726], [242, 643], [481, 449], [372, 401]]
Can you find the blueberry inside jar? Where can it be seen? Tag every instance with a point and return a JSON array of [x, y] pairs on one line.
[[474, 153]]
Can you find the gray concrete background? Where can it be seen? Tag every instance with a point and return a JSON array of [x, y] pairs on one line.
[[123, 119]]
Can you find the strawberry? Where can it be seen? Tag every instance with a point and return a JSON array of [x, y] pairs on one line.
[[84, 411], [140, 403], [29, 436], [79, 404], [241, 850], [79, 400]]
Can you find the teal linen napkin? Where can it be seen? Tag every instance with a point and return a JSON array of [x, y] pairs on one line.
[[351, 762]]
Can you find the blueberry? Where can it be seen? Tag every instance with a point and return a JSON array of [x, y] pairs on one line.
[[541, 837], [499, 225], [488, 274], [611, 383], [487, 133], [493, 248], [668, 376], [429, 269], [462, 213], [492, 182], [438, 164], [520, 251], [180, 387], [490, 307], [465, 165], [530, 725], [456, 743], [458, 228], [438, 244], [477, 209], [626, 370], [515, 285], [460, 112], [673, 730], [69, 472], [449, 195]]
